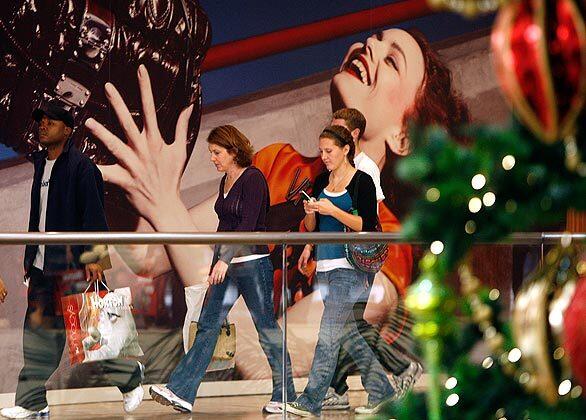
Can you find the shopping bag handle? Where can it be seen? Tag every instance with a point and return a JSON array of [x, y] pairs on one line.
[[96, 284], [226, 325]]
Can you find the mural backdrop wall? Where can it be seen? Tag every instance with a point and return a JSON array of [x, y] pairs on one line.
[[43, 40]]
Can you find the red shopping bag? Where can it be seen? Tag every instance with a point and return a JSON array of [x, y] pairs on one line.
[[99, 325]]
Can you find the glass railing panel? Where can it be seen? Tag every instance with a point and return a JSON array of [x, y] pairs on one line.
[[69, 338]]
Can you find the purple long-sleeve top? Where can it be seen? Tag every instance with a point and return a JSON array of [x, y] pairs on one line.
[[244, 209]]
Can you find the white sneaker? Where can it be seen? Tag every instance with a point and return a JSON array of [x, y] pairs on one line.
[[374, 408], [273, 407], [165, 396], [298, 410], [408, 378], [133, 399], [19, 412], [333, 401]]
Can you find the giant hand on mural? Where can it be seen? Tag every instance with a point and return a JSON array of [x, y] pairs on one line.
[[144, 170], [79, 45]]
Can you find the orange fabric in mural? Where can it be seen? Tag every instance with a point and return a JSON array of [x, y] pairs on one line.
[[279, 161]]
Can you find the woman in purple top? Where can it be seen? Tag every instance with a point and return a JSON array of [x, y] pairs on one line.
[[242, 206]]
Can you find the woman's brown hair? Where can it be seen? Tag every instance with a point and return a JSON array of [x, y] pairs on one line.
[[342, 137], [237, 144]]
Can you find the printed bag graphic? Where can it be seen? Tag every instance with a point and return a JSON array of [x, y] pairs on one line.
[[100, 326]]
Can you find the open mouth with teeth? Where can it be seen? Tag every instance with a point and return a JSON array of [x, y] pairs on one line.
[[358, 67]]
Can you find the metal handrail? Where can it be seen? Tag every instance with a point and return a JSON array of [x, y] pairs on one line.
[[290, 238]]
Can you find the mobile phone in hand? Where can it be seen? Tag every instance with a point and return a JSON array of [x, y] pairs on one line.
[[305, 196]]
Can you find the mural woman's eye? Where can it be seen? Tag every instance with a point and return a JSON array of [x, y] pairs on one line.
[[391, 60]]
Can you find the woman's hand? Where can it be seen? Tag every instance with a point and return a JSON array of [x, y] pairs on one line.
[[309, 206], [3, 291], [218, 273], [149, 170], [326, 207], [304, 259]]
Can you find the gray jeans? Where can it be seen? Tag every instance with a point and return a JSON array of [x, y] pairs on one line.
[[340, 289]]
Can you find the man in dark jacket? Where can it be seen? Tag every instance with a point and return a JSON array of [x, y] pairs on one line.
[[67, 195]]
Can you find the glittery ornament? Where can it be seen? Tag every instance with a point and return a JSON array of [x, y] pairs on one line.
[[538, 320], [468, 8], [575, 332], [539, 50]]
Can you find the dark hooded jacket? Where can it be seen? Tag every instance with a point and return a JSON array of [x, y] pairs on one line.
[[75, 203]]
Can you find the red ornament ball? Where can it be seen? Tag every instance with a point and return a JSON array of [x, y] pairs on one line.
[[575, 332], [539, 52]]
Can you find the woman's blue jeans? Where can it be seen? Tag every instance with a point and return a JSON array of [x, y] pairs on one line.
[[254, 281], [340, 289]]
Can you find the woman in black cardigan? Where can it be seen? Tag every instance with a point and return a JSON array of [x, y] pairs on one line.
[[241, 206], [341, 285]]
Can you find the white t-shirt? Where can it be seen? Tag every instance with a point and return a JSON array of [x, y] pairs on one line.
[[366, 164], [44, 195]]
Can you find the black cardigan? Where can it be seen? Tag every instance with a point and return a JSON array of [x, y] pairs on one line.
[[244, 209], [366, 202]]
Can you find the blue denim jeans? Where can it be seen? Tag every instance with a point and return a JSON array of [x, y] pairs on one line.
[[254, 281], [340, 289], [394, 357]]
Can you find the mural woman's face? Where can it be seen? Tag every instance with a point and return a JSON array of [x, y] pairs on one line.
[[381, 78]]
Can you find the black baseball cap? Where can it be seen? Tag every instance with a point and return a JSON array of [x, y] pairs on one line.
[[55, 112]]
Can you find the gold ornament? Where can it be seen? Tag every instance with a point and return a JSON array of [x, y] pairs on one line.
[[538, 315], [468, 8]]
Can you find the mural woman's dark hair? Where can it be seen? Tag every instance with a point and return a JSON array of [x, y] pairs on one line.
[[436, 102]]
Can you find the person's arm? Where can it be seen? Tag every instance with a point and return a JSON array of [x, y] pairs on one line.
[[304, 259], [311, 209], [327, 208], [144, 172], [309, 220], [374, 173], [367, 204], [90, 193], [3, 291], [152, 260]]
